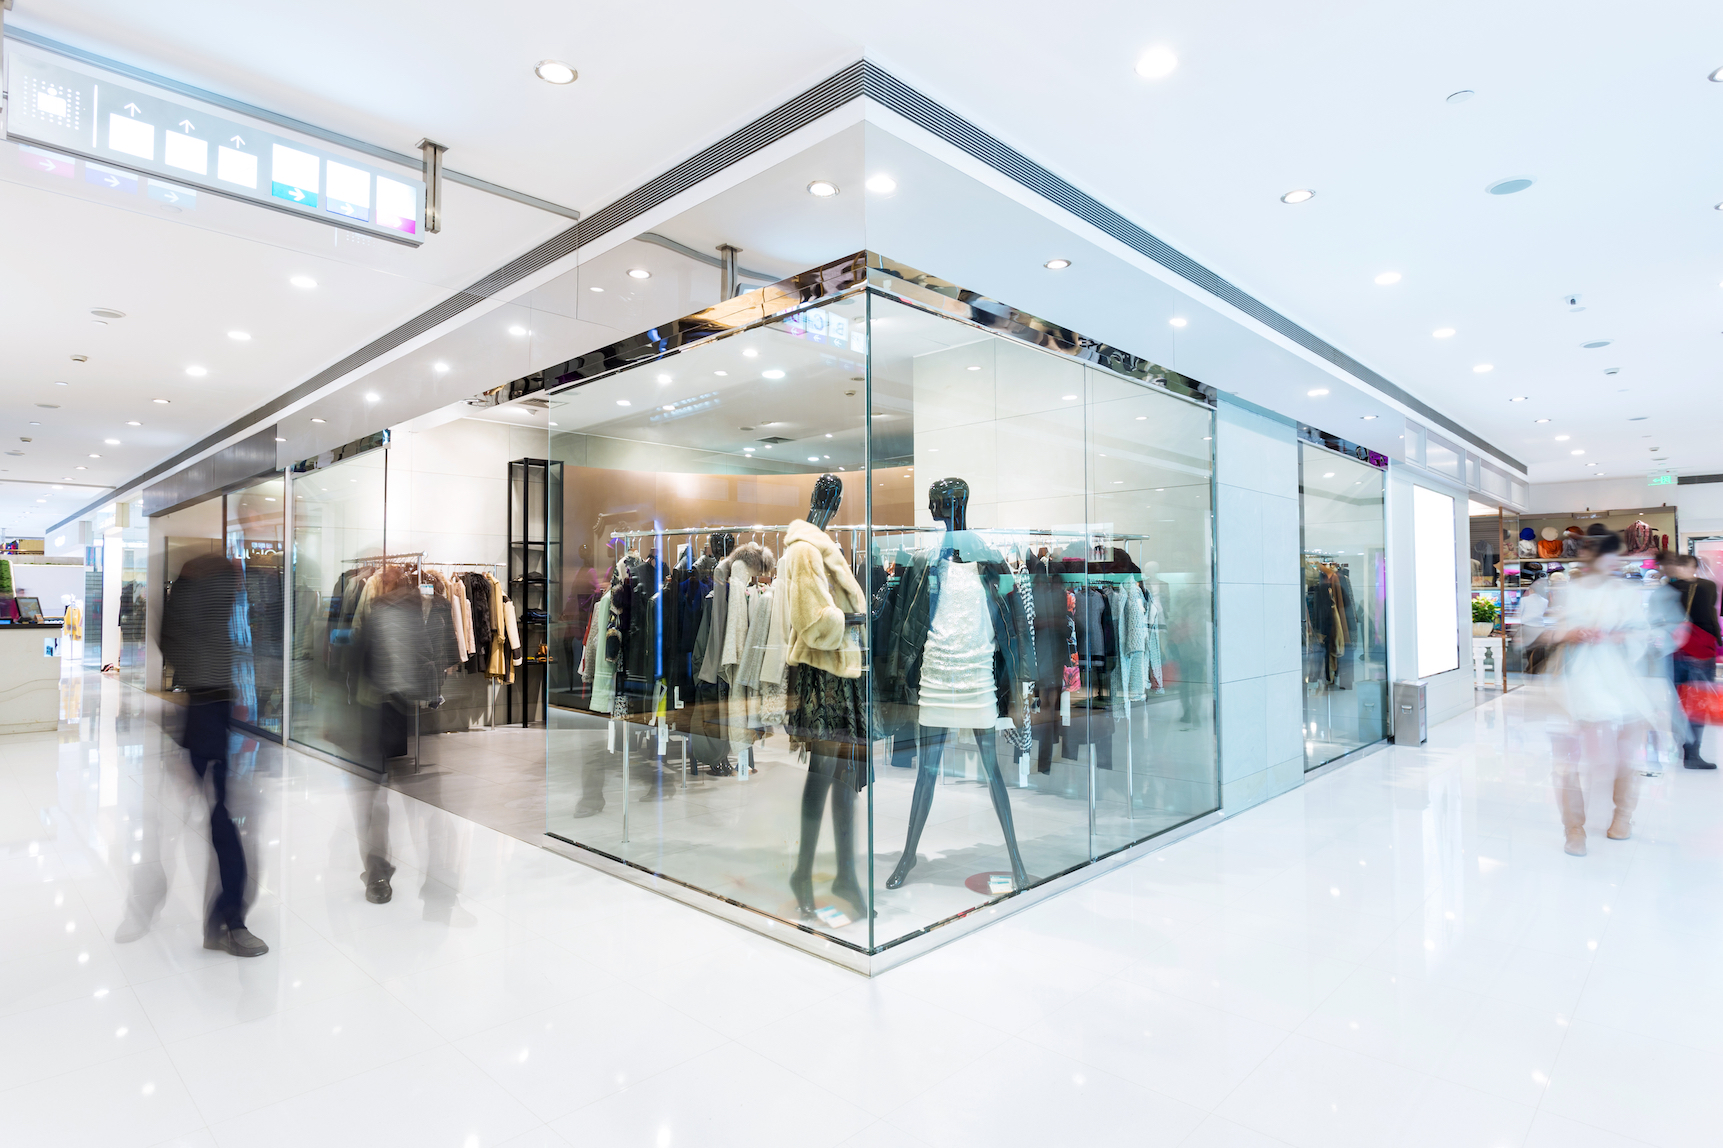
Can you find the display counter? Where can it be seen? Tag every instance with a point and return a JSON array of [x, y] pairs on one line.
[[30, 678]]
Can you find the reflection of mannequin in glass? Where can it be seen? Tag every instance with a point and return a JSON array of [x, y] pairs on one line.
[[957, 688], [824, 694]]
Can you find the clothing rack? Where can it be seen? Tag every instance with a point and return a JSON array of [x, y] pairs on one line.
[[417, 556]]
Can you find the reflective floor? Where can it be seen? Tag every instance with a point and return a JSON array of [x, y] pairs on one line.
[[1398, 953]]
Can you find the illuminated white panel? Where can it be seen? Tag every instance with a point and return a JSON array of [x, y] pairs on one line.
[[397, 206], [133, 137], [293, 175], [236, 167], [348, 191], [188, 153], [1436, 582]]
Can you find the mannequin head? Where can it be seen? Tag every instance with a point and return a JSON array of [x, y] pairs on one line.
[[828, 493], [948, 502]]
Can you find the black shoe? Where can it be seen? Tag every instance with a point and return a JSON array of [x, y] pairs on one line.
[[240, 941], [378, 891], [1697, 762]]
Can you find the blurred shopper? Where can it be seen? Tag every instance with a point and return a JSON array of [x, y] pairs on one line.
[[197, 639], [394, 677], [1696, 658], [1609, 640]]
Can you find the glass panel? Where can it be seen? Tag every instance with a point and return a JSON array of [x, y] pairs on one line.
[[1343, 522], [256, 525], [1150, 698], [669, 748], [337, 518]]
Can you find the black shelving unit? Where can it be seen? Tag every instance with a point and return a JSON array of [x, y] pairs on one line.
[[534, 579]]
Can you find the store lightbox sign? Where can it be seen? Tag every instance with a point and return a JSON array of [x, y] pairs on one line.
[[74, 107]]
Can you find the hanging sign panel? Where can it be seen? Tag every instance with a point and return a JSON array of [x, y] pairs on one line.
[[131, 129]]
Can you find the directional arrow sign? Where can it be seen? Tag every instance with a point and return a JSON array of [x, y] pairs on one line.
[[186, 124], [132, 108]]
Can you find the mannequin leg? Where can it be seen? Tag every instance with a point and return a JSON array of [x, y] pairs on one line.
[[932, 746], [846, 885], [985, 739], [813, 813]]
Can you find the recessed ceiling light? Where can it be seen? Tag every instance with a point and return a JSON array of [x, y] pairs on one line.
[[319, 420], [822, 189], [1140, 418], [828, 436], [771, 374], [107, 313], [639, 273], [1317, 392], [749, 352], [1483, 368], [1176, 322], [1561, 437], [813, 458], [1540, 420], [1056, 264], [197, 372], [1328, 474], [517, 331], [555, 72], [882, 184], [278, 438], [748, 449], [1518, 399], [1597, 344], [1576, 452], [1511, 185], [596, 290], [664, 378], [1298, 196], [1387, 278], [669, 406], [372, 397], [61, 383], [623, 403], [1156, 64], [721, 374], [972, 368], [1069, 398], [1366, 418], [80, 468], [95, 456], [1591, 464], [240, 336], [303, 281], [1716, 77], [134, 423], [1461, 96], [161, 402], [112, 441], [440, 368], [1442, 333]]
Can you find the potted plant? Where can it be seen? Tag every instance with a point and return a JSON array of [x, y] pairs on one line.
[[1484, 614]]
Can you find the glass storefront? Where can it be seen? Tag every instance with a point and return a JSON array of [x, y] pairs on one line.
[[255, 523], [802, 664], [1343, 524]]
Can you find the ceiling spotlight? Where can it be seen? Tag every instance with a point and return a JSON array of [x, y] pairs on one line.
[[1561, 438], [972, 368], [107, 313], [1176, 322], [771, 374], [1298, 196], [664, 378], [623, 403], [1540, 420], [1317, 393], [111, 441], [95, 456], [162, 402], [305, 282], [372, 397], [639, 273], [555, 72], [1442, 333], [721, 374], [197, 372], [748, 450], [1068, 398], [1366, 418], [1157, 63], [1593, 464], [278, 438], [1461, 96], [1510, 186], [134, 423], [58, 383], [822, 189], [1596, 344], [669, 406], [1576, 452], [240, 336], [881, 184], [319, 420], [1056, 264], [1483, 368], [517, 331], [596, 290], [80, 468], [440, 368], [1518, 399], [750, 352], [1387, 278]]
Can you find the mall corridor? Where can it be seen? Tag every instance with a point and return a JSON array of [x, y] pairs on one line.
[[1397, 953]]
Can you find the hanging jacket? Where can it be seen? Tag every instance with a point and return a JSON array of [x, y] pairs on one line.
[[820, 590]]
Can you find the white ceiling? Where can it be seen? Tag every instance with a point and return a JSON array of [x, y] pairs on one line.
[[1612, 117]]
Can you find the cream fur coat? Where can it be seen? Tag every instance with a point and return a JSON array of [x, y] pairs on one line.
[[819, 590]]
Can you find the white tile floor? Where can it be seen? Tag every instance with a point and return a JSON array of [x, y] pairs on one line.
[[1398, 954]]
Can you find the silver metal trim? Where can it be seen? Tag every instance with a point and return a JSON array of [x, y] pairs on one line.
[[683, 249], [1347, 758]]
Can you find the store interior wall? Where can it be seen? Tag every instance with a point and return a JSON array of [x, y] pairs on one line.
[[1258, 604]]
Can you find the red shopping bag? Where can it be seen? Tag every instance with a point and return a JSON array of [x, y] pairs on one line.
[[1702, 702]]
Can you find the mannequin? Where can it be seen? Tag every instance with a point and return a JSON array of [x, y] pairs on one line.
[[824, 710], [948, 664]]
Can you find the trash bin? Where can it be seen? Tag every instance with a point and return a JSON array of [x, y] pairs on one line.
[[1410, 727]]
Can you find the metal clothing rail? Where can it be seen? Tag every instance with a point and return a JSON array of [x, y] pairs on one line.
[[417, 556], [750, 529]]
